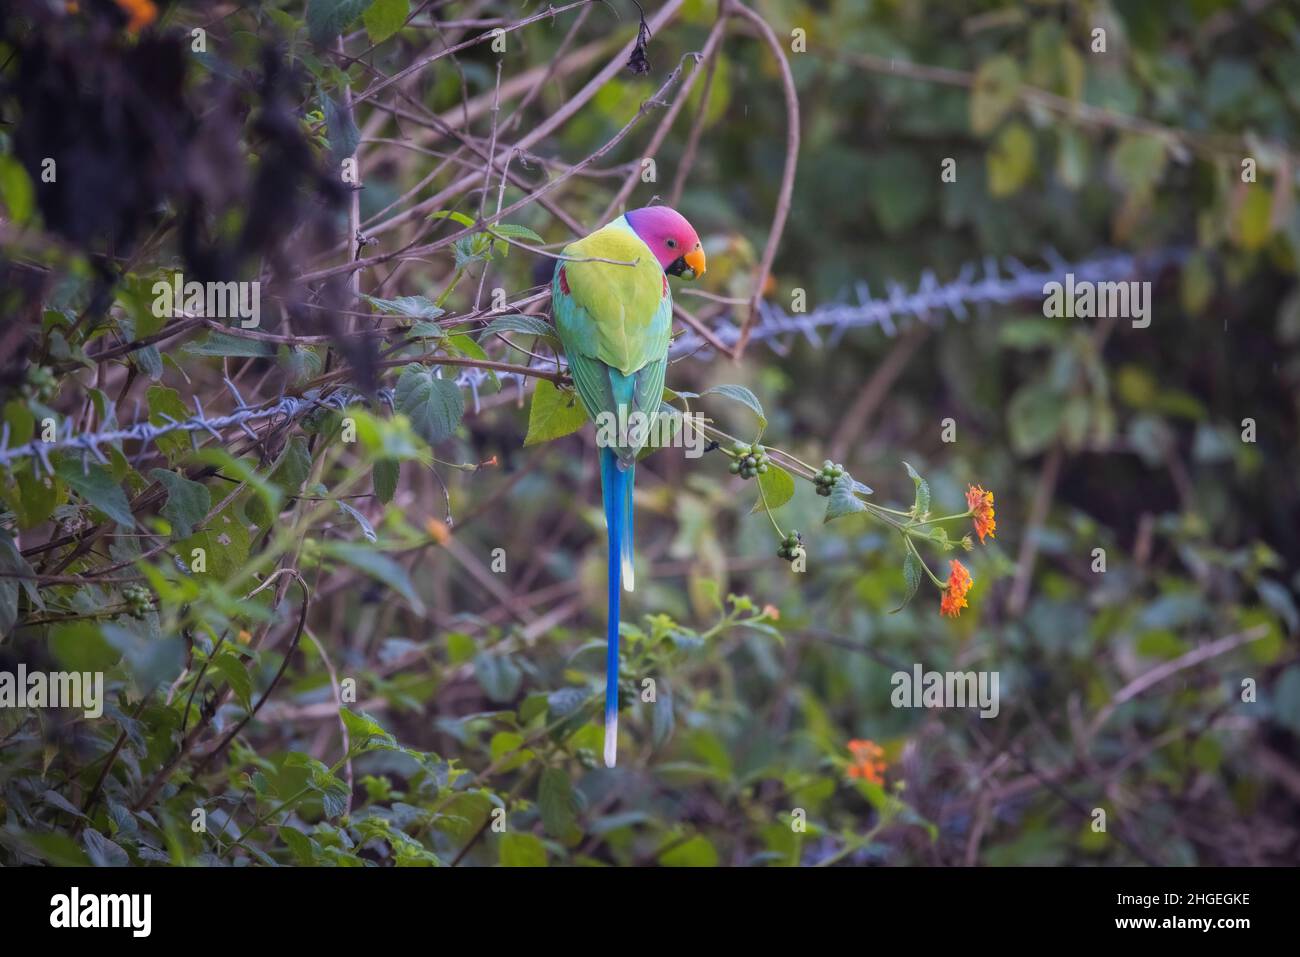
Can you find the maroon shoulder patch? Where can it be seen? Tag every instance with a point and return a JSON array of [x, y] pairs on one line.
[[665, 284], [564, 281]]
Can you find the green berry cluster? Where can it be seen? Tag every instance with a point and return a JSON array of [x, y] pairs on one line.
[[40, 385], [749, 461], [139, 600], [825, 479], [791, 547]]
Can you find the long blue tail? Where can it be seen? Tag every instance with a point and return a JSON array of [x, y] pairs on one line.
[[616, 486]]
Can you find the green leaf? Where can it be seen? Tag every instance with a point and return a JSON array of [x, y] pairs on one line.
[[102, 851], [1138, 161], [167, 402], [662, 719], [221, 344], [97, 486], [300, 845], [842, 500], [465, 346], [993, 94], [383, 478], [37, 497], [342, 129], [294, 465], [151, 661], [522, 850], [1034, 418], [515, 232], [911, 579], [739, 393], [1010, 160], [187, 502], [434, 406], [55, 799], [698, 851], [1254, 218], [79, 646], [425, 330], [1286, 699], [416, 307], [377, 566], [326, 19], [559, 804], [365, 732], [553, 413], [921, 504], [232, 669], [384, 18], [777, 488], [498, 675], [528, 325], [454, 216], [16, 190], [367, 529], [11, 560]]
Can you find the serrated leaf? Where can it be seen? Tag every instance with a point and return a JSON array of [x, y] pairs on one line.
[[911, 579], [365, 732], [553, 413], [187, 502], [425, 330], [55, 799], [776, 488], [511, 231], [842, 500], [738, 393], [527, 325], [102, 851], [434, 406], [416, 307]]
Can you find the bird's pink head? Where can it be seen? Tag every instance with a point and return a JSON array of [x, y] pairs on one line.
[[671, 238]]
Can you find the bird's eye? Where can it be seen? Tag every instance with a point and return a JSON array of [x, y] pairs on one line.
[[672, 244]]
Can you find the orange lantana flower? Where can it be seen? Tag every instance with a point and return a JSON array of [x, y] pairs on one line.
[[868, 761], [142, 13], [980, 503], [437, 530], [954, 598]]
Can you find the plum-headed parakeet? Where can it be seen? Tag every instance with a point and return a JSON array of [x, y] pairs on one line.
[[615, 322]]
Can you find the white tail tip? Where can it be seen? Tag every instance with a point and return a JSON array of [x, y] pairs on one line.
[[629, 575], [611, 739]]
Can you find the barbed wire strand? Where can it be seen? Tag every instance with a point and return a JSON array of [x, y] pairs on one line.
[[976, 286]]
